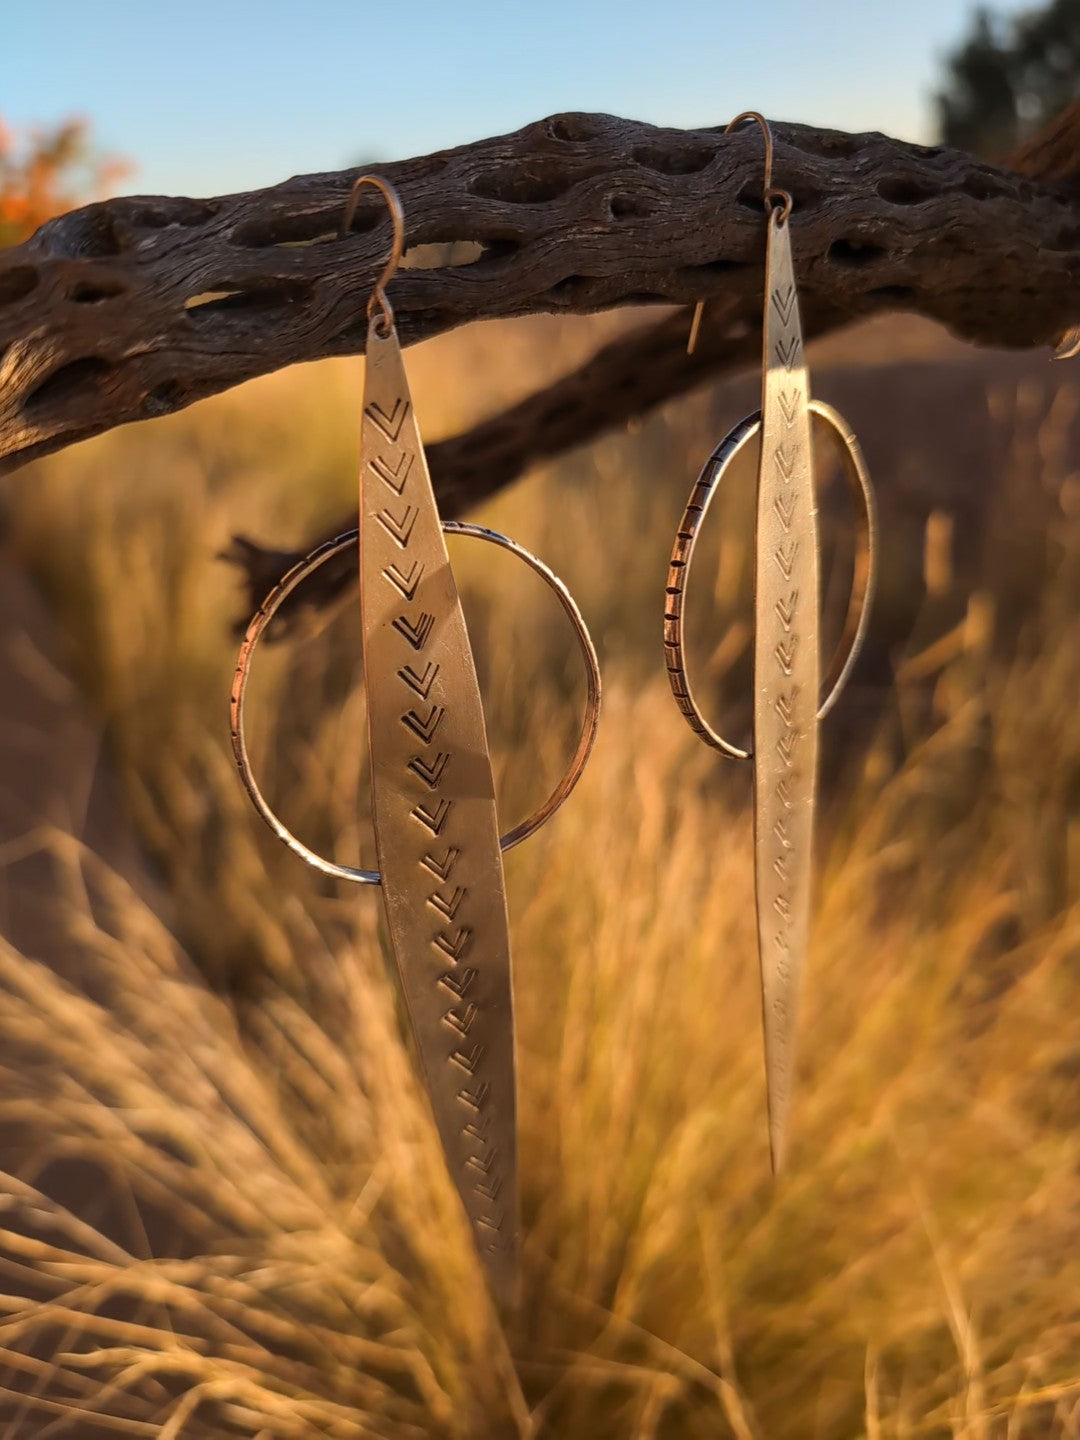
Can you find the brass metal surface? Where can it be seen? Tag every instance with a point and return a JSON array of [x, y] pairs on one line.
[[433, 804], [433, 795], [788, 703], [787, 677]]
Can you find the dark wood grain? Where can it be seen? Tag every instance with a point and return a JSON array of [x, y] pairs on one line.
[[136, 307]]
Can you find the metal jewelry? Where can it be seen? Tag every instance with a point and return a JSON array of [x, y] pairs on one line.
[[436, 835], [790, 698]]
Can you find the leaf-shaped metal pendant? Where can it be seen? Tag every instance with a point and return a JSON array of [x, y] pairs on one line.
[[434, 811], [786, 676]]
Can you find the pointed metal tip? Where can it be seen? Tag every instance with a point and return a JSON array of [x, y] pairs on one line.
[[777, 1152]]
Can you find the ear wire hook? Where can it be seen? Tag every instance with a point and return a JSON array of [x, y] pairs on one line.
[[769, 195], [397, 250]]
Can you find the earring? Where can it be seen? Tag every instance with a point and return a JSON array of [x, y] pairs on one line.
[[787, 662], [436, 835]]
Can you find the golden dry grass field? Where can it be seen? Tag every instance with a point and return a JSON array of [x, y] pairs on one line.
[[223, 1211]]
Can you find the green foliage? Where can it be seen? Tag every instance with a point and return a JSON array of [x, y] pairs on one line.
[[1010, 77]]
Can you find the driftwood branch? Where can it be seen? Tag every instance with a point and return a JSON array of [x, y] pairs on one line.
[[136, 307]]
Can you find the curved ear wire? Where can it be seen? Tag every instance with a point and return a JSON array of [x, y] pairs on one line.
[[397, 249], [769, 196]]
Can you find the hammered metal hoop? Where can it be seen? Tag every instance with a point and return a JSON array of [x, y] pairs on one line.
[[307, 567], [682, 555]]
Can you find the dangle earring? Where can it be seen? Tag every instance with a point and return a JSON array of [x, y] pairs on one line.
[[436, 836], [790, 698]]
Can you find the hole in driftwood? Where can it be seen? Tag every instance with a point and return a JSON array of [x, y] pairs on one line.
[[159, 215], [522, 185], [901, 294], [570, 289], [904, 191], [673, 159], [17, 282], [720, 267], [443, 255], [307, 228], [630, 207], [853, 252], [92, 292], [495, 250], [575, 129], [230, 299], [76, 380], [803, 197], [750, 197]]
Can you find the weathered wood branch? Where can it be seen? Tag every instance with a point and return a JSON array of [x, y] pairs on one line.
[[136, 307]]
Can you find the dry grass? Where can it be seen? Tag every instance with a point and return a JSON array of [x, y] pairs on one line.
[[227, 1216]]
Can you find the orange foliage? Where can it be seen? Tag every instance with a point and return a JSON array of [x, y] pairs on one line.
[[47, 171]]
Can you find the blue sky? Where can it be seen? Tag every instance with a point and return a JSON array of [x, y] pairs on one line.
[[207, 97]]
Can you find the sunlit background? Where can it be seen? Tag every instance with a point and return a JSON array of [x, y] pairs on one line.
[[223, 1212], [210, 97]]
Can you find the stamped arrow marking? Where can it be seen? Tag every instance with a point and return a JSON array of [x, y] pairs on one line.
[[784, 302], [785, 609], [785, 653], [785, 557], [416, 635], [453, 945], [398, 527], [459, 982], [788, 400], [474, 1096], [433, 819], [460, 1019], [785, 704], [785, 461], [429, 772], [394, 476], [424, 727], [788, 351], [441, 867], [785, 511], [785, 746], [447, 906], [407, 584], [468, 1059], [391, 424], [421, 684]]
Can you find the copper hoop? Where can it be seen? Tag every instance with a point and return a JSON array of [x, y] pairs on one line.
[[295, 577]]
